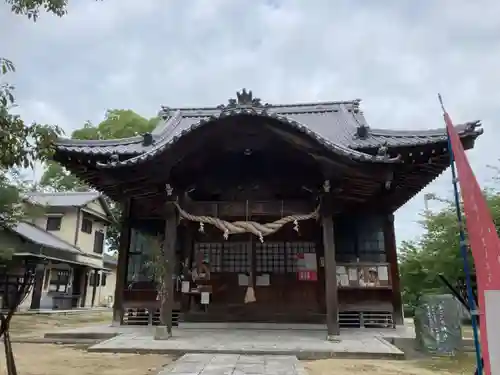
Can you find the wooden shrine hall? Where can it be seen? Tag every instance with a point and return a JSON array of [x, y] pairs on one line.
[[269, 213]]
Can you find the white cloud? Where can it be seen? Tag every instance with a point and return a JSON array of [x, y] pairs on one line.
[[396, 55]]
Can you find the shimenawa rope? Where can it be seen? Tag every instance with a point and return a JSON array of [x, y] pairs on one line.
[[235, 227]]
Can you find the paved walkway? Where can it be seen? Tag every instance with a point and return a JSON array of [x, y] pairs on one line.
[[234, 364]]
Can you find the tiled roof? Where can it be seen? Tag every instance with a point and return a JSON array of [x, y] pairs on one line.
[[41, 237], [333, 124], [69, 199], [109, 259], [63, 199]]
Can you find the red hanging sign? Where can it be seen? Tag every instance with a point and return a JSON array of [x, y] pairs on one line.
[[307, 275]]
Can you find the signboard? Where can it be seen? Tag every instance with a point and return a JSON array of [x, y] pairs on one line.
[[363, 276], [307, 269]]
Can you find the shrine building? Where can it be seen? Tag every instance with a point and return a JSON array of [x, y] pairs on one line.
[[269, 213]]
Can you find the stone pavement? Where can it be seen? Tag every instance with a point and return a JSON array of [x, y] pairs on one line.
[[234, 364], [302, 344]]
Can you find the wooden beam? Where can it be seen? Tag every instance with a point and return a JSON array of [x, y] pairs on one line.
[[392, 258], [238, 209], [121, 270]]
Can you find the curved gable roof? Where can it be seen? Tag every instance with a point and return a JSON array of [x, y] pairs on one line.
[[333, 124]]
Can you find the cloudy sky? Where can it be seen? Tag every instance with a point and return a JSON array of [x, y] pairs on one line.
[[395, 55]]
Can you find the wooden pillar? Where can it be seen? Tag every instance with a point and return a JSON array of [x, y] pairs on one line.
[[331, 291], [168, 255], [392, 258], [121, 269]]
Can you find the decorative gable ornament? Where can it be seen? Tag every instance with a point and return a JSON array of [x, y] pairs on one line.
[[243, 99]]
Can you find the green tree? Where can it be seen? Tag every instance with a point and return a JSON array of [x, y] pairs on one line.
[[32, 8], [437, 251], [118, 123]]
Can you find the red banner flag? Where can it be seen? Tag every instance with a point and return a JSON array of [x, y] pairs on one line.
[[485, 248]]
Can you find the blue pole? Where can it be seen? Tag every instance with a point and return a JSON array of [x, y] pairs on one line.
[[463, 250]]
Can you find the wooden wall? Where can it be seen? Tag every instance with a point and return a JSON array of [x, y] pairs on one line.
[[286, 298]]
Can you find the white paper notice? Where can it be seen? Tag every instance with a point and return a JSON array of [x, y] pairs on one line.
[[383, 274], [310, 261], [341, 270], [242, 279], [344, 280], [185, 287], [353, 274], [205, 298], [263, 280]]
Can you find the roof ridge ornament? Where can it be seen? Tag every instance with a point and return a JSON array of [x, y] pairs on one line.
[[165, 112], [244, 98]]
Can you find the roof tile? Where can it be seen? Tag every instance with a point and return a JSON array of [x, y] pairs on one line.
[[333, 124]]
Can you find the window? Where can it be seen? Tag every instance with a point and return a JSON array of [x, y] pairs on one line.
[[370, 236], [346, 247], [211, 251], [54, 223], [270, 257], [86, 225], [236, 257], [59, 280], [98, 242], [138, 258], [104, 275]]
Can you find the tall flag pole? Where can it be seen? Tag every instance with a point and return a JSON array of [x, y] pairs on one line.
[[485, 247]]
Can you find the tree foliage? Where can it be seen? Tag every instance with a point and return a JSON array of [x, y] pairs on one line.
[[33, 8], [437, 251], [118, 123]]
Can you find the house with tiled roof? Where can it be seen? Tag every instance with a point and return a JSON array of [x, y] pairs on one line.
[[66, 237]]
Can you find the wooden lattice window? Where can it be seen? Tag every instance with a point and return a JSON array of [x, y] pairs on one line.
[[346, 247], [236, 257], [270, 257], [294, 248], [212, 251], [370, 238], [138, 258]]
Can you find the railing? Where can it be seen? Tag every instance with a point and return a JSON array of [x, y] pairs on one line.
[[364, 275]]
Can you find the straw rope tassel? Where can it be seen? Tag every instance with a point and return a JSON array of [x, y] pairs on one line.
[[250, 292]]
